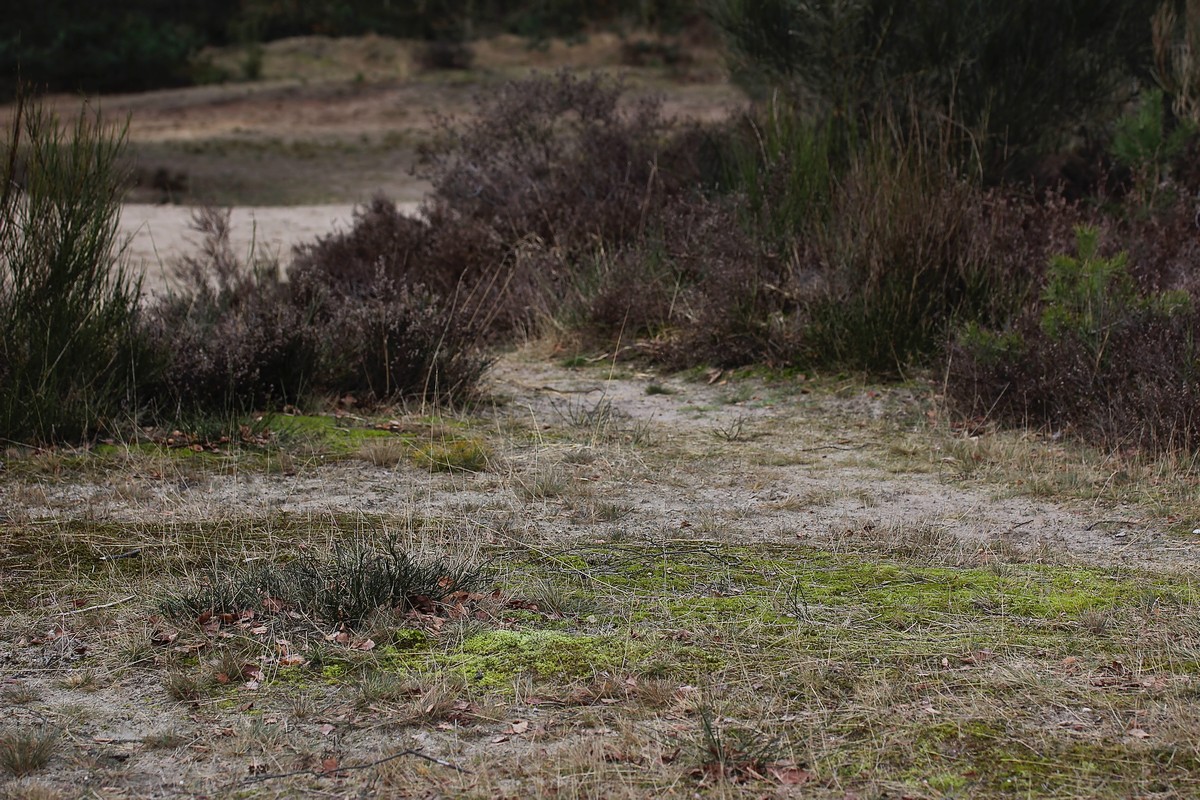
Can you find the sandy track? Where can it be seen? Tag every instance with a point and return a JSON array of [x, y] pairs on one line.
[[158, 235]]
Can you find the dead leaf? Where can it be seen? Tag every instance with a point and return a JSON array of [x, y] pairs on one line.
[[790, 776], [329, 764], [1138, 733], [519, 726], [326, 729], [259, 630], [163, 637], [978, 657], [499, 739], [293, 660], [365, 644]]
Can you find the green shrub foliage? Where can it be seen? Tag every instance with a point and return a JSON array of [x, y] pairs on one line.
[[1098, 355], [69, 310]]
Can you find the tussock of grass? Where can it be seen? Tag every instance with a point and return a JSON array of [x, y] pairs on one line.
[[346, 586], [24, 751]]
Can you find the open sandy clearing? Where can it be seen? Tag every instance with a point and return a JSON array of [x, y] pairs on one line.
[[701, 586]]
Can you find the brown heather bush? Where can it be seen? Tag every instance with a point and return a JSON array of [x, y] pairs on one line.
[[1144, 393], [550, 175], [558, 205], [235, 336], [227, 337]]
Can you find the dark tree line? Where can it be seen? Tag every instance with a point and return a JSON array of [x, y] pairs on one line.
[[134, 45]]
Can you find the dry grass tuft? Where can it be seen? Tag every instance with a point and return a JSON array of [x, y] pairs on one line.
[[26, 750]]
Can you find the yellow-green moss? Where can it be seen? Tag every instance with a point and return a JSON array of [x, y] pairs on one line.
[[455, 455], [493, 659]]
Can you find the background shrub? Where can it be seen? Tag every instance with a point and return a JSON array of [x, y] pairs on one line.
[[235, 337], [1016, 75], [550, 172]]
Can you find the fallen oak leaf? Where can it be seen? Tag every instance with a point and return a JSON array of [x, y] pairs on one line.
[[790, 776], [163, 637], [519, 726]]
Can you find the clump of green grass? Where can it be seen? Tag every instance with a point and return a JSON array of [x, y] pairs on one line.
[[347, 585], [732, 752], [187, 687], [24, 751]]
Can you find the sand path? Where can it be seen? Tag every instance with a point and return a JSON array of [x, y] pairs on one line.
[[156, 236]]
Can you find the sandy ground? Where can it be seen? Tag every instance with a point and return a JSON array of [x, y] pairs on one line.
[[157, 236], [774, 466]]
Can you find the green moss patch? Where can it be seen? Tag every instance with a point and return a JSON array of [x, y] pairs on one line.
[[494, 659]]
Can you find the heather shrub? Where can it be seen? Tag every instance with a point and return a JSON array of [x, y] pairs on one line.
[[1097, 355], [227, 337], [69, 342], [236, 336], [555, 158], [551, 172]]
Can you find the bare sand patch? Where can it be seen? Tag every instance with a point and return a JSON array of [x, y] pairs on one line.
[[157, 236]]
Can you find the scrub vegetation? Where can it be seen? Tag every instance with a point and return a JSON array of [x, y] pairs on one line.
[[842, 448]]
